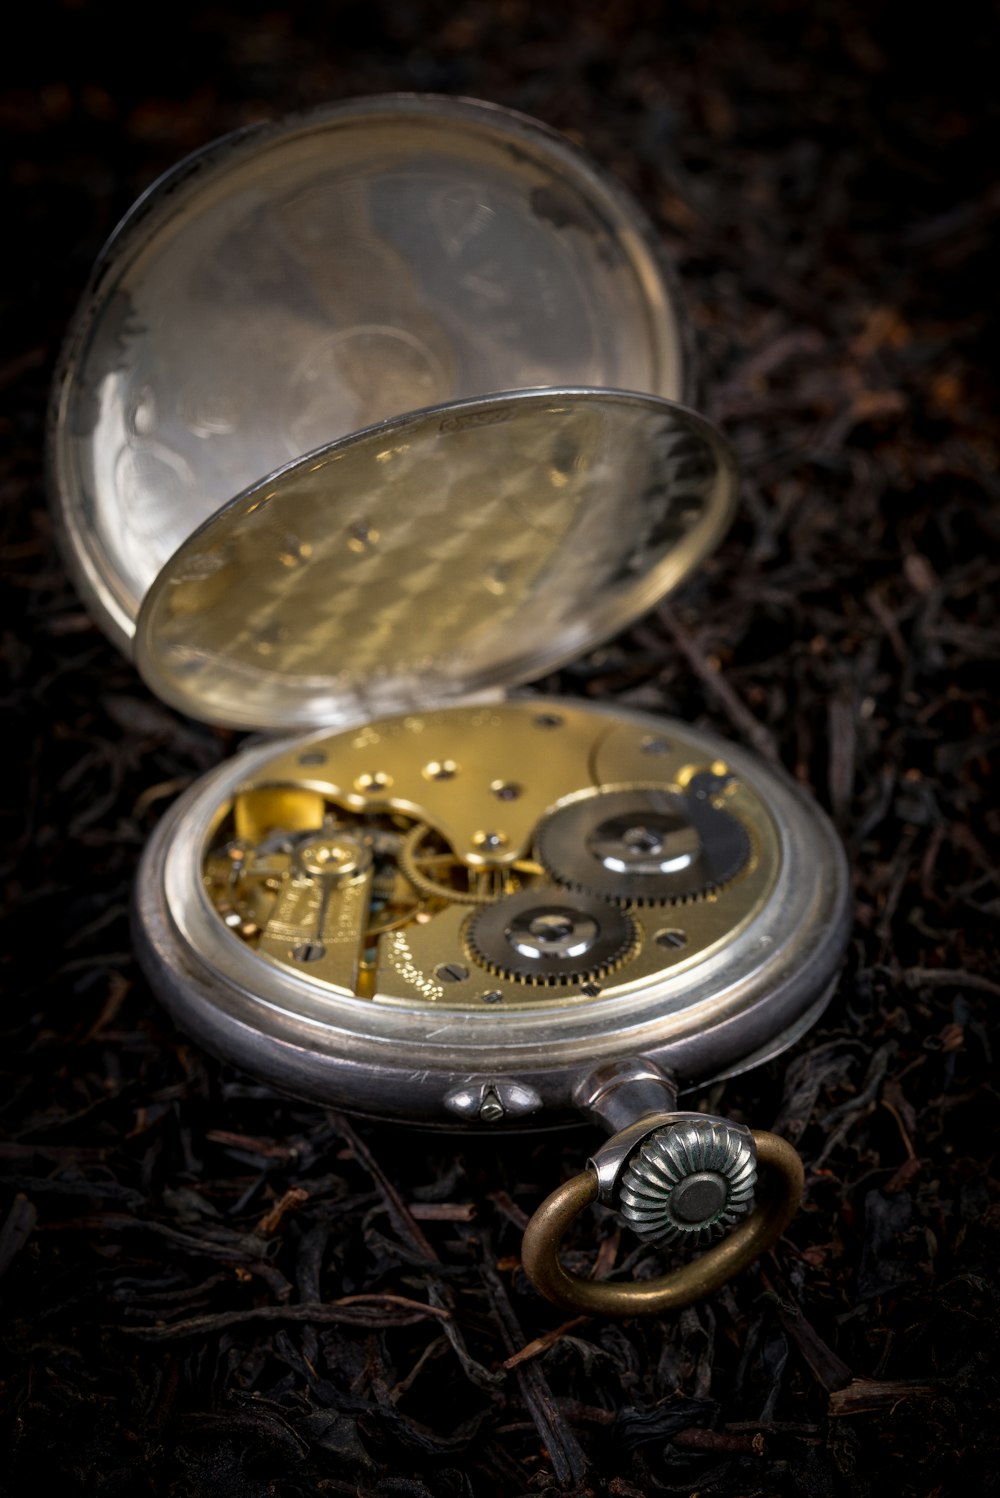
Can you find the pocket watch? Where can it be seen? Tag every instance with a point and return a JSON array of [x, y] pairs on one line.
[[368, 419]]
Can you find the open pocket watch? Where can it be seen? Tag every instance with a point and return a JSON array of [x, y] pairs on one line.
[[416, 897]]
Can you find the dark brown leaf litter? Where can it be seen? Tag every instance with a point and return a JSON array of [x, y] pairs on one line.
[[209, 1290]]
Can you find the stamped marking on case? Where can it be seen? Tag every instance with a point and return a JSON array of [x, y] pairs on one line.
[[466, 419]]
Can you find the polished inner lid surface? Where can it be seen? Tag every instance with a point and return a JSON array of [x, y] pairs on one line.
[[435, 555], [303, 280]]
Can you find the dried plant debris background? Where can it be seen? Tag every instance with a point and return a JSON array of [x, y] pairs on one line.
[[209, 1291]]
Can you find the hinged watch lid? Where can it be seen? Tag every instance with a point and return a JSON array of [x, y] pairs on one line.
[[304, 279], [435, 555]]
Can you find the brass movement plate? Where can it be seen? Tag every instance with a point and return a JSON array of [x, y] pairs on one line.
[[460, 857]]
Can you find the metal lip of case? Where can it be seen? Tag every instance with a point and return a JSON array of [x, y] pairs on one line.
[[743, 1004], [299, 280]]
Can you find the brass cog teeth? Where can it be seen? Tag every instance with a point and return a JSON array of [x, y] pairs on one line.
[[514, 972], [666, 902], [563, 846], [540, 980], [693, 897], [537, 981], [423, 883]]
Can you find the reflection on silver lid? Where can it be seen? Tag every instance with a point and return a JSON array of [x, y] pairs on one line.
[[435, 555], [300, 281]]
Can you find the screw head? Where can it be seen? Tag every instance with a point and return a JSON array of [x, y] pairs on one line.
[[491, 1109], [372, 781], [451, 972], [490, 842], [308, 951], [505, 790], [440, 769], [668, 939], [552, 931]]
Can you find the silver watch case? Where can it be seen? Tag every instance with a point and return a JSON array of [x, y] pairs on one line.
[[741, 1006]]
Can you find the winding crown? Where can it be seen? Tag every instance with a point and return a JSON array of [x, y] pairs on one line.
[[689, 1182]]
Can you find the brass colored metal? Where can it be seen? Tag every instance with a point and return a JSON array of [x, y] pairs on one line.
[[336, 857], [488, 743], [438, 872], [318, 928], [265, 808], [779, 1193], [419, 792]]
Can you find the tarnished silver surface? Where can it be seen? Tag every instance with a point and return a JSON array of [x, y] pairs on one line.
[[617, 1093], [748, 997], [433, 556], [689, 1181], [300, 280], [493, 1103]]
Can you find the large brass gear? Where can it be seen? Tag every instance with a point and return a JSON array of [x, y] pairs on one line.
[[417, 860], [643, 845], [548, 935]]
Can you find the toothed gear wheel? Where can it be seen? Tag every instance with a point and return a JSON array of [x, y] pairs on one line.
[[547, 935], [643, 846], [423, 849]]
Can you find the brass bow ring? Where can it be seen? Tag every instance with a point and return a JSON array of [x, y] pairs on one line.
[[779, 1191]]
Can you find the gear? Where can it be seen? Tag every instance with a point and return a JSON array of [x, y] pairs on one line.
[[646, 845], [425, 851], [550, 935]]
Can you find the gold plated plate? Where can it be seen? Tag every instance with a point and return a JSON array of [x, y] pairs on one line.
[[405, 915], [480, 855]]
